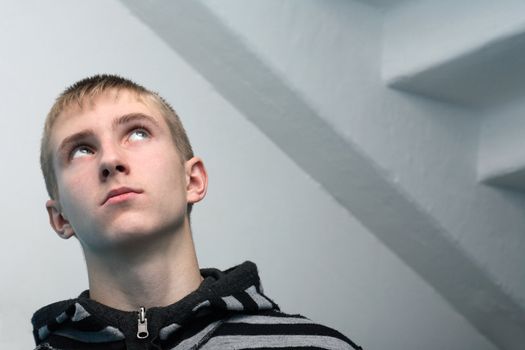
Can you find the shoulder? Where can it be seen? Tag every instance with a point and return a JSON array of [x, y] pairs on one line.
[[276, 330]]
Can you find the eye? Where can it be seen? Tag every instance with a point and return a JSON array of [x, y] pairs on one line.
[[138, 134], [81, 151]]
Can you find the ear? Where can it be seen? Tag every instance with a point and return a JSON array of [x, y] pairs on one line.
[[58, 221], [196, 180]]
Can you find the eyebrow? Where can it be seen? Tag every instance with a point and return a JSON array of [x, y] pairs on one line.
[[134, 117], [72, 139], [84, 134]]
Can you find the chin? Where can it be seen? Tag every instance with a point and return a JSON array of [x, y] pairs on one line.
[[142, 228], [133, 226], [130, 231]]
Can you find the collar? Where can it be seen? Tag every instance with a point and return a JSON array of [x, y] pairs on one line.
[[222, 293]]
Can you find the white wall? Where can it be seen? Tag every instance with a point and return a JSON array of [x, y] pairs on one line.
[[502, 145], [314, 257], [331, 55], [424, 33], [419, 142]]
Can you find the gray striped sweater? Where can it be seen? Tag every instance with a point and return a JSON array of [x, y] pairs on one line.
[[227, 311]]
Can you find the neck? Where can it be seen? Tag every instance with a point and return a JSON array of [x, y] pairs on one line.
[[158, 273]]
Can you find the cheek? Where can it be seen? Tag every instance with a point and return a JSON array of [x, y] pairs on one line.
[[74, 190], [162, 163], [169, 178]]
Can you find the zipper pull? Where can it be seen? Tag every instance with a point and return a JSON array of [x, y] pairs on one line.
[[142, 326]]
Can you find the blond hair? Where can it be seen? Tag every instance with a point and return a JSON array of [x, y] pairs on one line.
[[86, 90]]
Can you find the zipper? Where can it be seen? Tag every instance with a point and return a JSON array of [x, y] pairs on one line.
[[142, 326]]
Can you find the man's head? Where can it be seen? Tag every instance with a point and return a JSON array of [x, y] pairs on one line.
[[82, 93], [105, 134]]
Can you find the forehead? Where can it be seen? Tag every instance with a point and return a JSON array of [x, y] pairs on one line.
[[106, 103], [97, 111]]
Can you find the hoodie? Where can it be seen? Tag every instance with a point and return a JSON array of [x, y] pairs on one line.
[[227, 311]]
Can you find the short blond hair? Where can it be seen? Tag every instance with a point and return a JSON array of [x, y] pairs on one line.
[[86, 90]]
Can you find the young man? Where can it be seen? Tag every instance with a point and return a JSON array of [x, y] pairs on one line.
[[122, 179]]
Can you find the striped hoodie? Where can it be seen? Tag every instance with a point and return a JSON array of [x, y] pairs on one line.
[[227, 311]]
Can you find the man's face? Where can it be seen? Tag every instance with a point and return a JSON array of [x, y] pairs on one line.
[[119, 175]]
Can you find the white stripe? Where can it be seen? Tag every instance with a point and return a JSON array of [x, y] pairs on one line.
[[261, 301], [191, 342], [232, 303], [106, 335], [45, 346], [255, 319], [204, 303], [80, 313], [275, 341], [43, 332], [62, 317], [166, 331]]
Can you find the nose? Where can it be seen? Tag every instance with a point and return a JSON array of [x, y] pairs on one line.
[[112, 163]]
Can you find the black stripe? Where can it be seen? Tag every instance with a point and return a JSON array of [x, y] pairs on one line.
[[276, 313], [246, 301], [294, 348], [88, 324], [53, 325], [218, 303], [70, 311], [60, 342], [190, 329]]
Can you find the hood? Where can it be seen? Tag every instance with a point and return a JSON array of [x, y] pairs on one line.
[[220, 295]]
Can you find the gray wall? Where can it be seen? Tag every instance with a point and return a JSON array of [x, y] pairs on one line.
[[316, 255]]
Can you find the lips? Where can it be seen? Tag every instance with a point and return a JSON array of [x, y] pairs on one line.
[[121, 191]]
